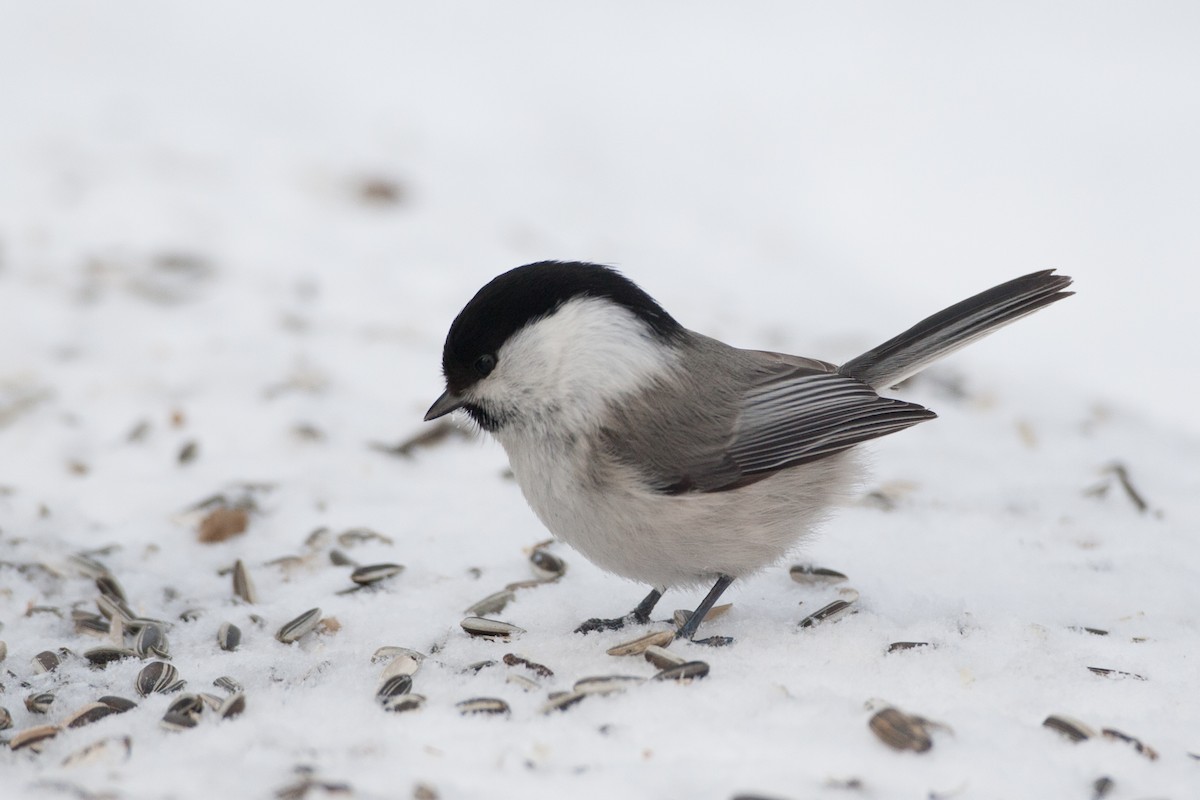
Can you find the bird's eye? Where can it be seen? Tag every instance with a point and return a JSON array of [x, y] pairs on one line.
[[485, 364]]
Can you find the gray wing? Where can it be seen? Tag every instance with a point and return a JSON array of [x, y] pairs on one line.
[[772, 412]]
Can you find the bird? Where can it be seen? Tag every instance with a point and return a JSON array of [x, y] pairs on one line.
[[668, 457]]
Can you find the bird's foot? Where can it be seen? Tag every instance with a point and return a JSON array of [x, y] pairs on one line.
[[712, 641]]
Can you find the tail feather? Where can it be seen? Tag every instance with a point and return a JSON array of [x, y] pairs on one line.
[[955, 327]]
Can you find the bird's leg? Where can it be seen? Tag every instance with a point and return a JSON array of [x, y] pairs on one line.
[[688, 629], [640, 615]]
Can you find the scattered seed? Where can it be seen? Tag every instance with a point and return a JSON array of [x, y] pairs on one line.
[[90, 713], [191, 614], [685, 672], [1093, 631], [157, 676], [340, 559], [243, 587], [46, 661], [1101, 787], [492, 604], [232, 706], [828, 613], [118, 703], [109, 586], [526, 684], [815, 576], [541, 670], [184, 713], [39, 702], [113, 747], [682, 615], [392, 652], [606, 684], [400, 665], [1115, 673], [3, 650], [399, 684], [663, 658], [561, 701], [374, 573], [151, 641], [432, 435], [901, 731], [896, 647], [547, 566], [87, 622], [5, 719], [403, 702], [114, 608], [229, 636], [210, 701], [482, 705], [301, 625], [478, 666], [34, 738], [103, 656], [355, 536], [1073, 729], [491, 628], [1142, 748], [530, 584], [636, 647]]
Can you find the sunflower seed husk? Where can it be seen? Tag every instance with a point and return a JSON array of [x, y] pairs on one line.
[[113, 747], [118, 703], [305, 623], [340, 559], [184, 712], [682, 615], [827, 613], [228, 684], [478, 666], [232, 706], [3, 650], [46, 661], [529, 584], [157, 676], [663, 658], [492, 604], [482, 705], [1073, 729], [87, 622], [151, 641], [686, 671], [561, 701], [547, 566], [39, 702], [526, 684], [403, 702], [87, 566], [374, 573], [1138, 745], [178, 721], [896, 647], [1092, 631], [815, 576], [493, 628], [114, 608], [606, 684], [636, 647], [541, 670], [5, 719], [191, 614], [1101, 787], [392, 652], [111, 588], [243, 587], [33, 738], [400, 684], [210, 701], [901, 731], [229, 636], [400, 665], [1115, 673], [90, 713], [354, 536]]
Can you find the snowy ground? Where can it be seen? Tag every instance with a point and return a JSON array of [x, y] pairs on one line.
[[243, 232]]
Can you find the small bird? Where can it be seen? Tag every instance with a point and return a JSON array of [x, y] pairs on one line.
[[669, 457]]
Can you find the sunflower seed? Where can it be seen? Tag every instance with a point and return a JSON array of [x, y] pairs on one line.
[[525, 684], [901, 731], [210, 701], [3, 650], [400, 665], [541, 670], [561, 701], [1101, 787], [111, 588], [103, 656], [87, 565], [1142, 748], [392, 652], [228, 684], [151, 641], [687, 671], [815, 576], [478, 666], [482, 705], [606, 684], [34, 738], [492, 604], [400, 684], [157, 676], [184, 713], [229, 636], [530, 584], [118, 703], [663, 658], [114, 608], [636, 647], [90, 713], [232, 706], [374, 573], [403, 702], [896, 647], [176, 721], [1073, 729], [355, 536], [340, 559], [5, 719], [46, 661], [493, 628], [547, 566], [87, 622], [305, 623], [1092, 631], [191, 614], [682, 615], [39, 702], [243, 587], [828, 613], [1115, 673], [114, 747]]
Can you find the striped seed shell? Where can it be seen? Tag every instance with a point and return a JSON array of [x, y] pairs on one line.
[[525, 684], [546, 566], [636, 647], [663, 658], [541, 670], [340, 559], [114, 608], [492, 628], [561, 701], [229, 636], [210, 701], [113, 747], [90, 713], [492, 604], [400, 665], [687, 671], [243, 587], [482, 705], [46, 661], [391, 651], [1073, 729], [157, 676], [901, 731], [828, 613], [403, 702], [301, 625], [682, 615], [374, 573], [400, 684], [3, 650], [896, 647], [110, 587], [5, 719], [232, 706], [606, 684], [151, 641], [228, 684], [33, 738], [119, 703], [87, 566], [39, 702], [815, 576], [1138, 745], [1115, 673]]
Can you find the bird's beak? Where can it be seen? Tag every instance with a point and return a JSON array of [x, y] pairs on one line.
[[444, 405]]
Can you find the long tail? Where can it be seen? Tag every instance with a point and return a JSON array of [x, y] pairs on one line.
[[955, 327]]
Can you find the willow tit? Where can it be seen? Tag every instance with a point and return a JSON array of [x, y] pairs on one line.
[[666, 456]]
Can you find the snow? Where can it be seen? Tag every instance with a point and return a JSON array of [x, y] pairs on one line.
[[185, 248]]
